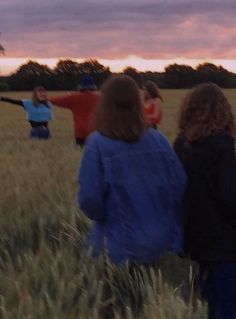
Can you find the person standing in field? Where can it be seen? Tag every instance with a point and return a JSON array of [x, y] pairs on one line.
[[206, 147], [130, 182], [153, 104], [82, 105], [39, 112]]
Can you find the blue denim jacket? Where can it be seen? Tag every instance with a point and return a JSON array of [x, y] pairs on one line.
[[132, 192]]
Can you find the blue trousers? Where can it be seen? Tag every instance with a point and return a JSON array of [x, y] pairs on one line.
[[40, 133], [218, 286]]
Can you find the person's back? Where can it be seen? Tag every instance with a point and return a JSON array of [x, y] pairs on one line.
[[144, 182], [130, 185], [83, 106], [153, 104], [210, 217], [206, 148]]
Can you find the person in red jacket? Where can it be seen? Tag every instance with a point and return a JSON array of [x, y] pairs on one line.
[[152, 104], [82, 105]]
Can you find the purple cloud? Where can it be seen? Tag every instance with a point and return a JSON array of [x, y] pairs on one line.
[[111, 29]]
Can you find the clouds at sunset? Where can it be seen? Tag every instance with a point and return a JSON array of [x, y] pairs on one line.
[[107, 29]]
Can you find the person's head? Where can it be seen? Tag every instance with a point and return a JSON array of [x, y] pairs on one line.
[[120, 114], [87, 84], [205, 111], [39, 95], [151, 91]]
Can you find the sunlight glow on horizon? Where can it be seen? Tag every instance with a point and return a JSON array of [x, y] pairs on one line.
[[9, 65]]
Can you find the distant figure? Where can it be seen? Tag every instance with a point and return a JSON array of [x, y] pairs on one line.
[[82, 105], [206, 147], [39, 112], [153, 104]]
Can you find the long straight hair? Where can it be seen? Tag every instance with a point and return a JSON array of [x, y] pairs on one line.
[[120, 114]]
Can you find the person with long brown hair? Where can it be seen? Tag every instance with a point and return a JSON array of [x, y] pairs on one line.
[[206, 147], [39, 112], [130, 181], [153, 104]]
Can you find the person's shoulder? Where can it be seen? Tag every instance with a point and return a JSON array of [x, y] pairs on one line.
[[157, 135], [27, 103], [158, 140], [95, 139], [223, 141], [180, 140]]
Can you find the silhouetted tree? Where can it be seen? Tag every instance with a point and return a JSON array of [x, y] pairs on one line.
[[134, 74], [209, 72], [67, 75], [30, 75], [180, 76]]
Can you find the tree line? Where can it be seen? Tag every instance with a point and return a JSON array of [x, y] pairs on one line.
[[67, 74]]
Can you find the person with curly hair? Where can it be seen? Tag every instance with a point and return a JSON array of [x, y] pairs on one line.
[[152, 104], [206, 148]]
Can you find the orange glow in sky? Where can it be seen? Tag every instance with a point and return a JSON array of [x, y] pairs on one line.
[[9, 65]]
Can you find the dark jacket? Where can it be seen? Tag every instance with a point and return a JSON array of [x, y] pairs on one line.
[[132, 192], [210, 198]]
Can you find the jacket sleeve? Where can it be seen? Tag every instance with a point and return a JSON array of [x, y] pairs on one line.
[[91, 195], [11, 101], [227, 175], [62, 101]]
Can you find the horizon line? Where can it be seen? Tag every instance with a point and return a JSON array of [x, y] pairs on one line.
[[9, 65]]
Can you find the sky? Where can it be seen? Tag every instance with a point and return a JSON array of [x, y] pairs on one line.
[[146, 34]]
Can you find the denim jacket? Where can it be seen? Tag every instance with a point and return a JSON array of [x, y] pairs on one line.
[[132, 192]]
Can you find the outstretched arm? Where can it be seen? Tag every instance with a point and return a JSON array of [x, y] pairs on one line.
[[11, 101], [62, 101]]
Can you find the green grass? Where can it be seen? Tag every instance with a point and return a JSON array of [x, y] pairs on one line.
[[43, 270]]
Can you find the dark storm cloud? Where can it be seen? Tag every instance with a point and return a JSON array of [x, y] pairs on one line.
[[115, 29]]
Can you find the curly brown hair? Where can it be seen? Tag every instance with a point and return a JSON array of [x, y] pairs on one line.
[[205, 111]]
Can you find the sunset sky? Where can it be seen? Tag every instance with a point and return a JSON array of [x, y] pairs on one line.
[[146, 34]]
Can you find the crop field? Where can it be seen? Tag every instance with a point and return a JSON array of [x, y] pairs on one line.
[[44, 272]]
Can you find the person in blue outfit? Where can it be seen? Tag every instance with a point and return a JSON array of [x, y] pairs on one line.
[[130, 181], [130, 185], [39, 112], [206, 147]]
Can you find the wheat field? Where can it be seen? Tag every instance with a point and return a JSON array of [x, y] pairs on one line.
[[44, 272]]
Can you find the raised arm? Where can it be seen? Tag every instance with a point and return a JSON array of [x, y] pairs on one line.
[[64, 101], [11, 101]]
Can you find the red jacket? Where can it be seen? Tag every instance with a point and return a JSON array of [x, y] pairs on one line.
[[153, 111], [82, 105]]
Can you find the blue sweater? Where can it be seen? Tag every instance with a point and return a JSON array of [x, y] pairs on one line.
[[133, 193], [40, 113]]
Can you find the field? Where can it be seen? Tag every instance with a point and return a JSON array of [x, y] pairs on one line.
[[44, 272]]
